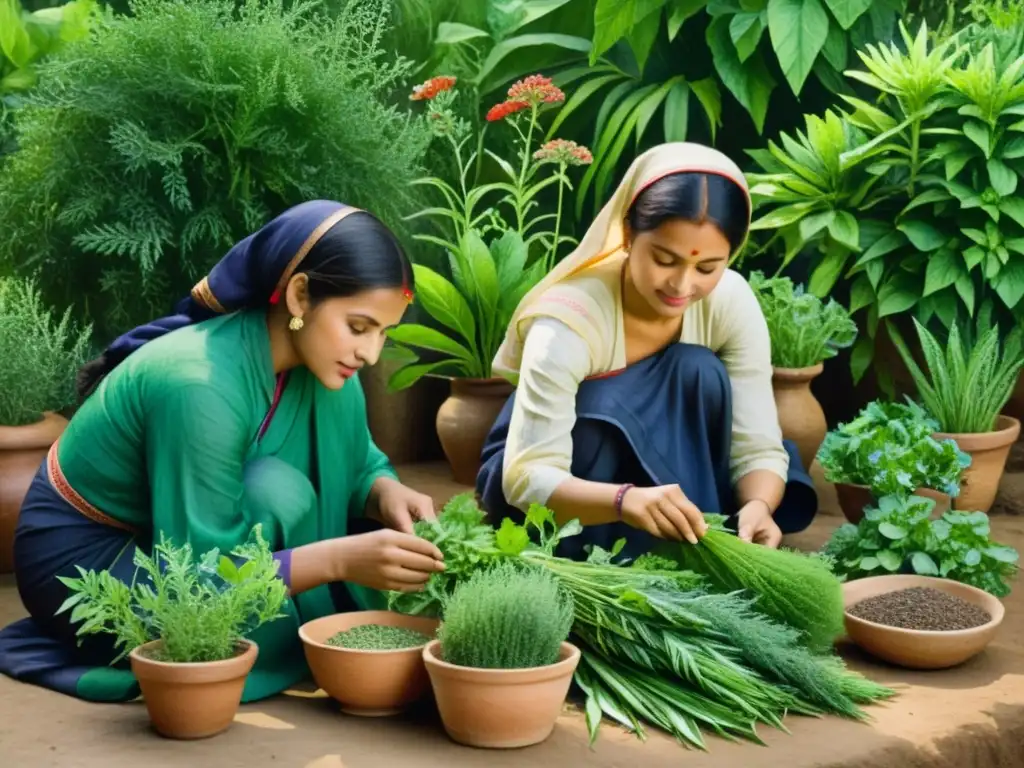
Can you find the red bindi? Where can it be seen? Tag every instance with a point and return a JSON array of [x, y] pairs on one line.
[[694, 252]]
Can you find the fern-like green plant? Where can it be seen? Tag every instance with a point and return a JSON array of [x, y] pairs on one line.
[[199, 610], [41, 354], [156, 143], [506, 617], [966, 386]]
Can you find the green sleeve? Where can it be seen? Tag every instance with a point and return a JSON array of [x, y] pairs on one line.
[[196, 440], [374, 463]]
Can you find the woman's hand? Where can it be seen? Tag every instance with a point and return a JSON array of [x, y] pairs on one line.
[[754, 523], [387, 560], [399, 506], [665, 512]]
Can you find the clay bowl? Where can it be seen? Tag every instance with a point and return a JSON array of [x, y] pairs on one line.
[[367, 683], [919, 649]]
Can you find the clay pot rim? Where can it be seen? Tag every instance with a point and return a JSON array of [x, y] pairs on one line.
[[569, 657], [35, 436], [987, 602], [798, 374], [1006, 433], [221, 669], [412, 649]]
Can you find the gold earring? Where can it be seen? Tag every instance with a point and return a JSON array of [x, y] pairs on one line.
[[296, 324]]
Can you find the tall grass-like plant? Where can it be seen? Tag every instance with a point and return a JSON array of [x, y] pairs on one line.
[[966, 386], [506, 617], [41, 354], [804, 330], [152, 146], [198, 609]]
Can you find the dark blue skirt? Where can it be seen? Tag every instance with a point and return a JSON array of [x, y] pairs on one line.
[[664, 420]]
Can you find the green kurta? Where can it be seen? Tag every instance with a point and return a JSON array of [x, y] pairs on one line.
[[169, 443]]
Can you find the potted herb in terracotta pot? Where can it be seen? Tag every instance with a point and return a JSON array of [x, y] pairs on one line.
[[41, 355], [182, 624], [501, 666], [804, 332], [498, 248], [965, 389], [890, 448]]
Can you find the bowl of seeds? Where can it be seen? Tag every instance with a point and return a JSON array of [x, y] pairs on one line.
[[370, 662], [920, 622]]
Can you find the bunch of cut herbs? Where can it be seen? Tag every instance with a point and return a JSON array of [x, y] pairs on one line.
[[664, 646]]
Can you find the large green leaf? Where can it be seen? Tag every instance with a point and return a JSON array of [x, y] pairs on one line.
[[798, 30], [642, 37], [710, 98], [824, 276], [746, 29], [944, 267], [443, 302], [750, 81], [1003, 178], [897, 295], [677, 112], [415, 335], [614, 19], [680, 11], [509, 253], [1010, 283], [923, 236], [486, 78], [408, 375], [452, 33], [15, 42], [848, 11]]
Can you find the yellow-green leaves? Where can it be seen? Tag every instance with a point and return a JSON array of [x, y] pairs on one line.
[[798, 30]]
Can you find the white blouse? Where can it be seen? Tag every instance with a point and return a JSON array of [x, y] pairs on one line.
[[556, 358]]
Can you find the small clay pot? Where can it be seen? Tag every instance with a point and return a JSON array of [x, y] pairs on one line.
[[465, 419], [854, 498], [367, 683], [500, 708], [192, 700], [22, 450], [979, 483], [800, 414], [915, 648]]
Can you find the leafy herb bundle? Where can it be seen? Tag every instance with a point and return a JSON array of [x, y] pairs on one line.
[[899, 534], [199, 610], [804, 330], [889, 447], [658, 648]]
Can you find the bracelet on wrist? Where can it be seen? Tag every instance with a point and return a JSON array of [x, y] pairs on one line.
[[619, 496]]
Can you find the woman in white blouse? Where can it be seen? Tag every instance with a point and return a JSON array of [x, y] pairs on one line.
[[643, 373]]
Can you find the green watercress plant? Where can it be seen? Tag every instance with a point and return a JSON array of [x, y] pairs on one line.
[[899, 535]]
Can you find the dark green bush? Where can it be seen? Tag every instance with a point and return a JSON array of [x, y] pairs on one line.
[[151, 148]]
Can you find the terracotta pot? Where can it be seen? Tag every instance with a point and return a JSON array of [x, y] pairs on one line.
[[800, 414], [500, 708], [853, 499], [194, 700], [367, 683], [919, 649], [465, 419], [22, 450], [979, 483]]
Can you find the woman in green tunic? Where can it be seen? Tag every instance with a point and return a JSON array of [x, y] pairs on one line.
[[244, 407]]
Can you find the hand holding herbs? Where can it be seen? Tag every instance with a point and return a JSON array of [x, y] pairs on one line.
[[889, 448], [803, 330], [198, 610], [677, 649], [899, 535]]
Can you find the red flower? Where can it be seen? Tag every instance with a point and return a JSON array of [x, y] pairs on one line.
[[432, 87], [536, 89], [506, 108], [562, 151]]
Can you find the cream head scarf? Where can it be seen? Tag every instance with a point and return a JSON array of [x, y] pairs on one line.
[[605, 239]]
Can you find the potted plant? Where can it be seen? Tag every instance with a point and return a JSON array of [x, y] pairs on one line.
[[41, 356], [498, 249], [183, 625], [804, 332], [501, 666], [890, 448], [965, 390]]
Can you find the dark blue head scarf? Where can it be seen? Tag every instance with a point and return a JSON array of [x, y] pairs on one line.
[[252, 274]]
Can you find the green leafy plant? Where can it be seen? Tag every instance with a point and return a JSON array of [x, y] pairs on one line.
[[889, 447], [966, 386], [899, 534], [152, 146], [506, 617], [909, 197], [804, 330], [198, 610], [488, 281], [41, 353], [659, 647], [28, 37]]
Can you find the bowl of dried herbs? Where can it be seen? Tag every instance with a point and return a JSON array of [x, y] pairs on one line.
[[371, 662], [920, 622]]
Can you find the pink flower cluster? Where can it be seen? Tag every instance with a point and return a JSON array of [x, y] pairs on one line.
[[563, 151], [528, 92]]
